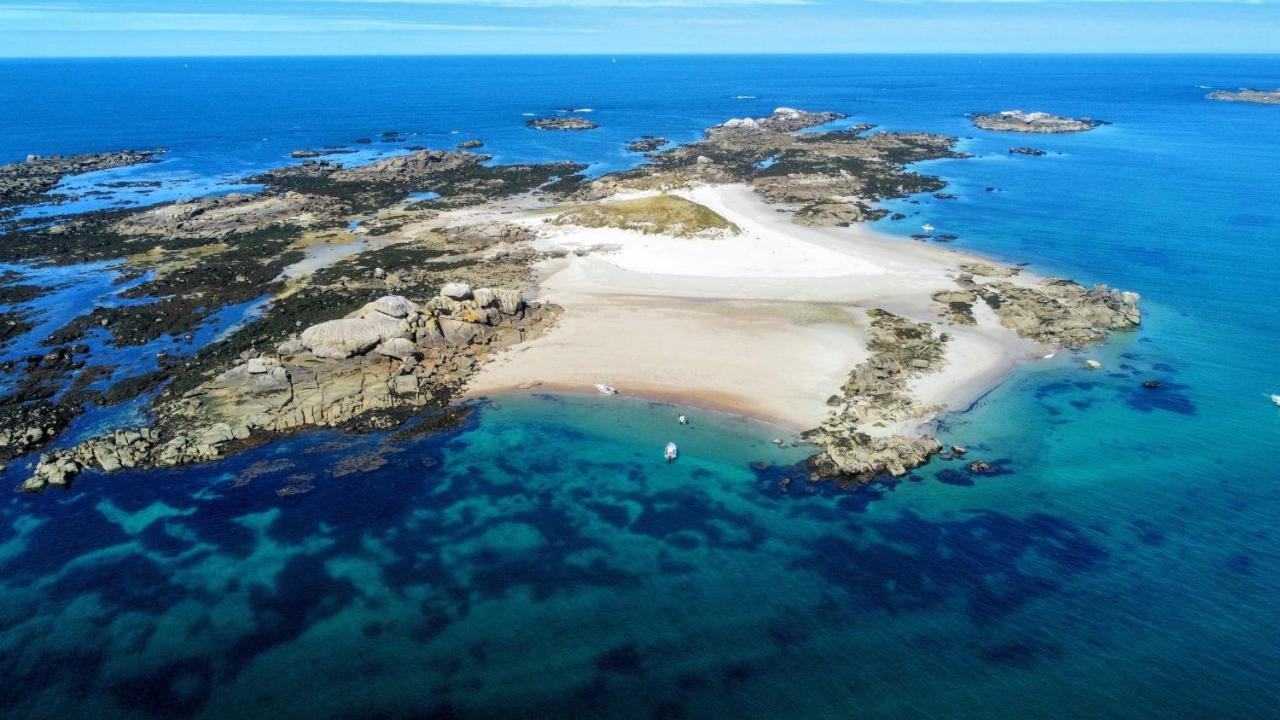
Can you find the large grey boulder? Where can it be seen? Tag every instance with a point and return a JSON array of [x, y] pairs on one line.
[[509, 301], [391, 306], [456, 291], [398, 348], [339, 339]]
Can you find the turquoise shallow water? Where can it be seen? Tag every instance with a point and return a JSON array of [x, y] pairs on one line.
[[543, 561]]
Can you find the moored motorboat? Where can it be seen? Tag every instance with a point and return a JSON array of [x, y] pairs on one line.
[[607, 389], [671, 453]]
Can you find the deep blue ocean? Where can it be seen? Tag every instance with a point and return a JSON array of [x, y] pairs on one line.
[[541, 561]]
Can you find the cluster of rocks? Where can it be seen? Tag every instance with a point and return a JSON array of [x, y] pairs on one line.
[[1056, 312], [409, 168], [829, 178], [216, 218], [1262, 97], [26, 181], [561, 123], [1033, 122], [486, 235], [470, 144], [1024, 150], [646, 143], [849, 168], [26, 427], [306, 153], [859, 441], [837, 214], [783, 120], [392, 353]]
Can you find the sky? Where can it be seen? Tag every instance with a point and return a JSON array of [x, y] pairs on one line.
[[41, 28]]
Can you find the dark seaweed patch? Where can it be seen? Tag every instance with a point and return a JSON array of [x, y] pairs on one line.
[[615, 515], [305, 594], [1149, 533], [922, 564], [668, 513], [623, 659], [1015, 653], [179, 689], [1167, 397]]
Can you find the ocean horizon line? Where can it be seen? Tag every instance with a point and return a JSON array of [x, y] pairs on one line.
[[269, 56]]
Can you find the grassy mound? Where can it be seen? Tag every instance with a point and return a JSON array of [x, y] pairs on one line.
[[661, 214]]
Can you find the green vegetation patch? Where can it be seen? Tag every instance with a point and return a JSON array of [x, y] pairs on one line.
[[661, 214]]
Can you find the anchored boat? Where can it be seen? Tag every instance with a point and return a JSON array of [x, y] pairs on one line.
[[672, 452], [607, 389]]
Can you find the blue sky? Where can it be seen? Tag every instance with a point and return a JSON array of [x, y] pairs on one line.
[[376, 27]]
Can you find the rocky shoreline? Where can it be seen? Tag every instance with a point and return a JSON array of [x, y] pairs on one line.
[[1033, 122], [392, 354], [28, 181]]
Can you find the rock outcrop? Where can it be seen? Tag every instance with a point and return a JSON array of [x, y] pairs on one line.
[[830, 178], [1057, 312], [1033, 122], [410, 168], [216, 218], [27, 181], [862, 438], [391, 354], [561, 123], [647, 143], [837, 214], [1262, 97]]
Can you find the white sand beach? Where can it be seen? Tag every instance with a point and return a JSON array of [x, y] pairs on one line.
[[767, 322]]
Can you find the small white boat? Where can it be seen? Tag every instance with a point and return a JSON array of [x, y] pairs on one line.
[[927, 227], [683, 420], [607, 389], [671, 453], [1276, 399]]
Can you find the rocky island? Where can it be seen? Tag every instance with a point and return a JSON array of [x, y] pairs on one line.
[[1261, 97], [1033, 122], [561, 123], [375, 308]]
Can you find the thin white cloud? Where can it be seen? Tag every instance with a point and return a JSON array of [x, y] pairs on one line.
[[66, 19]]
